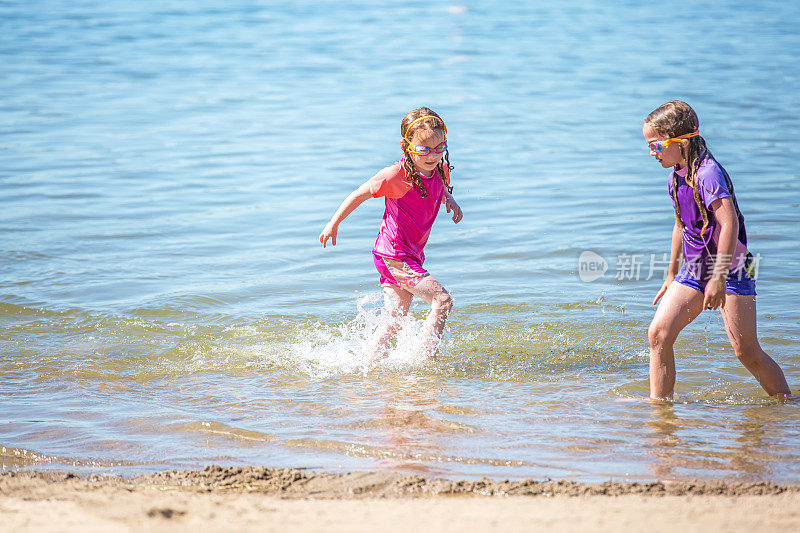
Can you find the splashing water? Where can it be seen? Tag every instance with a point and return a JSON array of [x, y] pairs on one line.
[[350, 347]]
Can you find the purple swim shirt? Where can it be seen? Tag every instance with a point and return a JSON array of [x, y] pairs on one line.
[[409, 217], [700, 251]]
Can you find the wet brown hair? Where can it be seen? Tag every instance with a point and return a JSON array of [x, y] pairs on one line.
[[676, 118], [433, 123]]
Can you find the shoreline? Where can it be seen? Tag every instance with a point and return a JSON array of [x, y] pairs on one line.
[[301, 483], [261, 498]]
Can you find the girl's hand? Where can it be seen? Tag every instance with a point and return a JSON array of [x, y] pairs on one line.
[[329, 232], [451, 205], [663, 289], [714, 294]]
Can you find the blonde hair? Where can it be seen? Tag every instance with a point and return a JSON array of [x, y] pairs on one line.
[[673, 119], [411, 124]]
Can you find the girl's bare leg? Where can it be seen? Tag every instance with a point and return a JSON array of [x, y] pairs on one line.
[[679, 306], [396, 302], [441, 303], [739, 315]]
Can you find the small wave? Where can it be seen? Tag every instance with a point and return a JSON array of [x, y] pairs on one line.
[[218, 428], [12, 458], [32, 310]]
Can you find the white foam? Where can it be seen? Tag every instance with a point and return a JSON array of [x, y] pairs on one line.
[[350, 347]]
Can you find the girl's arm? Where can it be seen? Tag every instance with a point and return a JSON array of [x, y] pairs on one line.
[[356, 198], [729, 232], [451, 205], [675, 252]]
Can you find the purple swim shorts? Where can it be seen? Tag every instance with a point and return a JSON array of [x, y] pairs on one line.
[[739, 283]]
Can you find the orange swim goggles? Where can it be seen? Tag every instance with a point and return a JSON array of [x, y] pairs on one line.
[[657, 146], [425, 150]]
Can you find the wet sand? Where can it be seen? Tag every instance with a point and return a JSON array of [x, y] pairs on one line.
[[265, 499]]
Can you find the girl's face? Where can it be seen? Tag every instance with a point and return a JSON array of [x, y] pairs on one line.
[[670, 155], [429, 139]]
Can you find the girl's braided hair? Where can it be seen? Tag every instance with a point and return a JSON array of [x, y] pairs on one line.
[[432, 123], [673, 119]]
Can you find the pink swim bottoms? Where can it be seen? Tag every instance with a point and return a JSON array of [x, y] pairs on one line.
[[404, 272]]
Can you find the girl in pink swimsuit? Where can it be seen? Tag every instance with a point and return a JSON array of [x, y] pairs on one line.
[[413, 189]]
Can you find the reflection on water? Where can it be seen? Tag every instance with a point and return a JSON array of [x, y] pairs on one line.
[[744, 446], [164, 174]]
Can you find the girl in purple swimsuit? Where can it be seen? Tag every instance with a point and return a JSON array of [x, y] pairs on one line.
[[709, 233], [413, 189]]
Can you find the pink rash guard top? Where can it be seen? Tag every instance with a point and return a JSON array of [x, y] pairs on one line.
[[409, 217]]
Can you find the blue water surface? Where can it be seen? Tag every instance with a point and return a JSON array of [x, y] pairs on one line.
[[166, 168]]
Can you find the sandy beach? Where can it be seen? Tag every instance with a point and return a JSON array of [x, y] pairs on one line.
[[265, 499]]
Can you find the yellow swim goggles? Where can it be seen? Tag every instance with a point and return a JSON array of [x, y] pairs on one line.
[[657, 146], [426, 150]]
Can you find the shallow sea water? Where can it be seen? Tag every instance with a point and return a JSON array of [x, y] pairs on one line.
[[166, 168]]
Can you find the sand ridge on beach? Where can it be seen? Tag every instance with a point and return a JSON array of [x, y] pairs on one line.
[[269, 499]]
